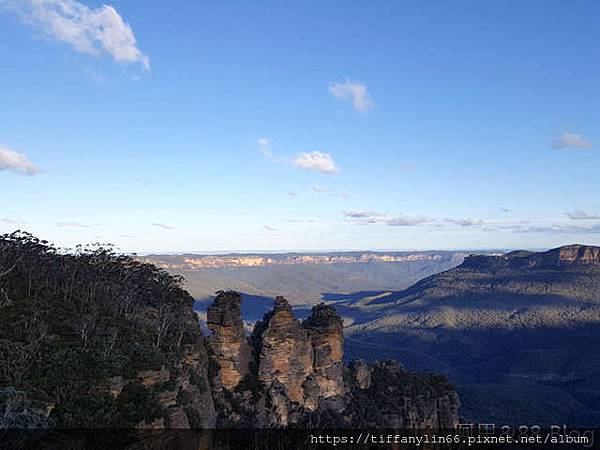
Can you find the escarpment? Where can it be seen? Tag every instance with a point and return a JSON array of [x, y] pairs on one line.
[[297, 377], [576, 256]]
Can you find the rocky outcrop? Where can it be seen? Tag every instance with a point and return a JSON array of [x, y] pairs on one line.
[[298, 377], [385, 395], [228, 339], [361, 374], [149, 378]]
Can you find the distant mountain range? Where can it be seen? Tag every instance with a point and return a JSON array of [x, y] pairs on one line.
[[193, 262], [304, 278], [517, 332]]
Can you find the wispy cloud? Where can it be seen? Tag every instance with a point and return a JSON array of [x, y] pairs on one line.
[[90, 31], [572, 141], [408, 221], [355, 92], [292, 194], [73, 224], [373, 217], [12, 221], [264, 147], [359, 214], [12, 161], [269, 228], [319, 188], [325, 190], [366, 217], [300, 221], [554, 229], [316, 162], [578, 214], [505, 210], [465, 222], [162, 226], [143, 182]]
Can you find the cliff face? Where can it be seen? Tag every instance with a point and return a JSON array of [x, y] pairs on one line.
[[297, 376], [195, 262], [561, 257]]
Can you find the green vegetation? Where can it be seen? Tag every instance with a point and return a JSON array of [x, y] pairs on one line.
[[69, 321]]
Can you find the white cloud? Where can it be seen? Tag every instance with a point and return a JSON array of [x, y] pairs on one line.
[[373, 217], [355, 92], [359, 214], [292, 194], [367, 217], [408, 221], [316, 162], [579, 214], [90, 31], [572, 141], [465, 222], [269, 228], [313, 161], [162, 225], [11, 161]]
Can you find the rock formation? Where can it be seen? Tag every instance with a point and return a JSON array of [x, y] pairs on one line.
[[297, 376], [285, 352], [325, 328], [387, 396], [228, 339]]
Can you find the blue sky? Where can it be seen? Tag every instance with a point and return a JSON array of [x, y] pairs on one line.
[[211, 126]]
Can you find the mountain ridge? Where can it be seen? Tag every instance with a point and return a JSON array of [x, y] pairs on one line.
[[482, 323]]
